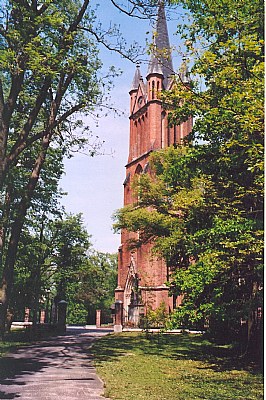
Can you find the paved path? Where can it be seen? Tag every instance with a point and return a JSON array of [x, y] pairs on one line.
[[55, 369]]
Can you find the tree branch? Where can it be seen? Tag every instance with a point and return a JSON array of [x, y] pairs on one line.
[[73, 27], [21, 145], [117, 48], [15, 89], [135, 7], [35, 111], [68, 113]]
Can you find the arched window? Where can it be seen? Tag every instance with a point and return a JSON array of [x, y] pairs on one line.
[[138, 170]]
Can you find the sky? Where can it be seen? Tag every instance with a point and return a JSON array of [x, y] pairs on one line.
[[95, 184]]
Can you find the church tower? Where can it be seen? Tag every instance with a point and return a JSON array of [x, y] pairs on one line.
[[141, 276]]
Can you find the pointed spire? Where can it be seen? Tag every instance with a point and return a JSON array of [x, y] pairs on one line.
[[161, 60], [137, 78]]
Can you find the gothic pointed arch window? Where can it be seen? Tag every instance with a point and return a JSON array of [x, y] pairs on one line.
[[138, 170]]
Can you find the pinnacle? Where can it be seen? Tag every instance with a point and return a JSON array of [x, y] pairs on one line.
[[137, 78]]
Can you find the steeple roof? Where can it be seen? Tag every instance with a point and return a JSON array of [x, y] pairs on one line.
[[136, 80], [161, 59]]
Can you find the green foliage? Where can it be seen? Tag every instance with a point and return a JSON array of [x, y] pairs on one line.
[[56, 259], [50, 76], [77, 312], [49, 253], [210, 240], [97, 283], [155, 318], [202, 207]]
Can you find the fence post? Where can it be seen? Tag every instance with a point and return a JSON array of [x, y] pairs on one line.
[[118, 327], [98, 318], [42, 316], [27, 315]]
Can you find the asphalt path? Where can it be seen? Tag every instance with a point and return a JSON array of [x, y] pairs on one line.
[[58, 368]]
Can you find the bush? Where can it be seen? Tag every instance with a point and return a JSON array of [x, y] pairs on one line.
[[155, 318]]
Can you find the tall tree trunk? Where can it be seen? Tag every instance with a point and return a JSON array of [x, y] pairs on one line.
[[37, 280], [8, 271]]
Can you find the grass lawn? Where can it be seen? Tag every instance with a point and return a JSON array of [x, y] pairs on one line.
[[176, 367], [13, 340]]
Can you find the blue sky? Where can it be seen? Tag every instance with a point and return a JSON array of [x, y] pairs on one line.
[[95, 185]]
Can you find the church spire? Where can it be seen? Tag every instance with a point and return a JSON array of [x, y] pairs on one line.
[[161, 59]]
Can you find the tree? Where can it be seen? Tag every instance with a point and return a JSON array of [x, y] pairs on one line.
[[97, 283], [50, 80], [32, 248], [56, 262], [203, 208], [71, 245], [46, 78], [226, 42]]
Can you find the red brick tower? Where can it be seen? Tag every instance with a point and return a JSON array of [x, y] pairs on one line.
[[141, 277]]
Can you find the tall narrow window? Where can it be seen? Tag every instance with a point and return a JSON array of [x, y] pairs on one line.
[[139, 138], [153, 90], [138, 172], [163, 132]]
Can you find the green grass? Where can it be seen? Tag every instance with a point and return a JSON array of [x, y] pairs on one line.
[[12, 340], [176, 367]]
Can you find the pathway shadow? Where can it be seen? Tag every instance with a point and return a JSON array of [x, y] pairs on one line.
[[11, 368], [14, 372], [17, 367], [4, 395]]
